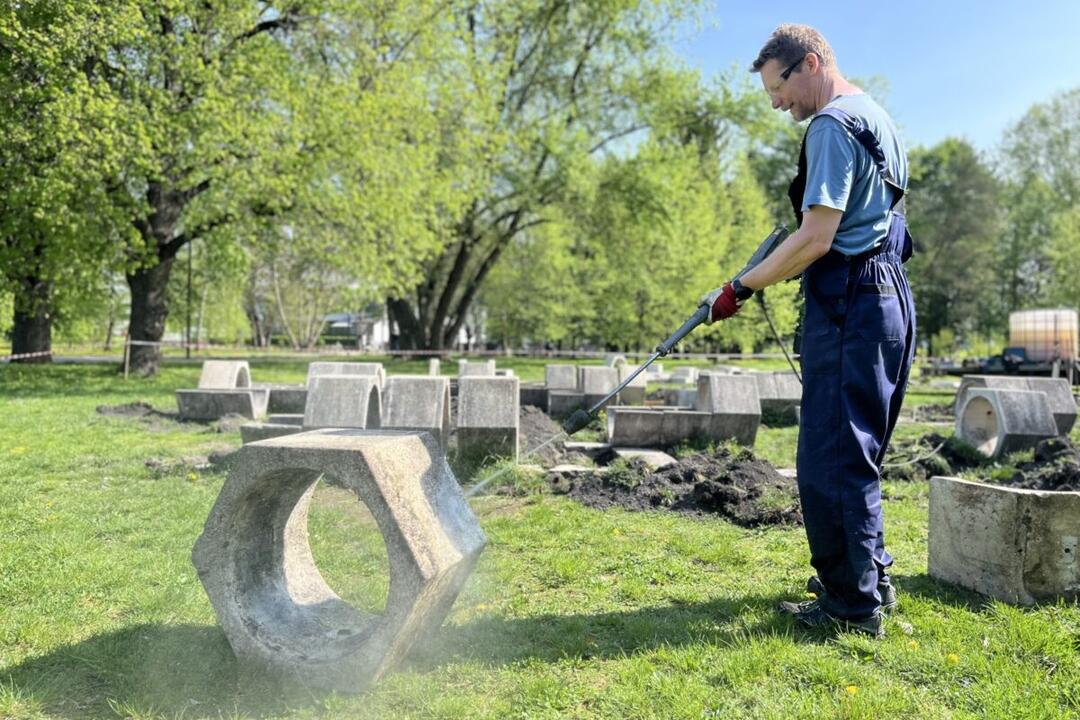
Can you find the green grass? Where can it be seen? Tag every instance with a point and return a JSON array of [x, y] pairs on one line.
[[571, 612]]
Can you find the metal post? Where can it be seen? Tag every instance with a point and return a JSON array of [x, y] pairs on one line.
[[187, 349]]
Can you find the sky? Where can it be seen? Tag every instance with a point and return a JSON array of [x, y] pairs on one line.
[[954, 68]]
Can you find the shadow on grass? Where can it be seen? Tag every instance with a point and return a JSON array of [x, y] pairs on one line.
[[190, 670], [927, 588]]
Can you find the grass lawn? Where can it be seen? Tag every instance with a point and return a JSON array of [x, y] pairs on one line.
[[571, 612]]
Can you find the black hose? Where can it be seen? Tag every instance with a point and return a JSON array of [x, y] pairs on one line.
[[776, 335]]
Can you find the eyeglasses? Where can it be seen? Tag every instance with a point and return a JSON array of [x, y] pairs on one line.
[[786, 74]]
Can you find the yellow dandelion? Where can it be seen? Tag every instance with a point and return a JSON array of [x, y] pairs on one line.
[[20, 450], [913, 644], [193, 477], [851, 689], [952, 658]]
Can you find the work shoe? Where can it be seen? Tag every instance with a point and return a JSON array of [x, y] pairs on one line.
[[810, 614], [887, 592]]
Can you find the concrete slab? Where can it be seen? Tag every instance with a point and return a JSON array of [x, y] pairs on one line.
[[534, 394], [686, 425], [688, 375], [288, 399], [320, 369], [588, 449], [634, 426], [255, 562], [254, 432], [343, 401], [433, 366], [655, 459], [420, 403], [597, 381], [1019, 546], [561, 377], [287, 419], [224, 375], [205, 405], [476, 368], [563, 402], [634, 393], [779, 393], [998, 422], [487, 424], [681, 397], [734, 404]]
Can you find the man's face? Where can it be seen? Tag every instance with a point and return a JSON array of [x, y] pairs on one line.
[[788, 86]]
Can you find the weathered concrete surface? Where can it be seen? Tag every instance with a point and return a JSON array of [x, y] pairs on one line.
[[591, 450], [779, 393], [634, 393], [1019, 546], [683, 425], [343, 401], [688, 375], [255, 562], [487, 418], [681, 397], [504, 372], [597, 381], [734, 404], [296, 419], [224, 375], [655, 459], [535, 394], [476, 368], [216, 404], [288, 399], [635, 427], [322, 369], [660, 427], [615, 360], [418, 402], [998, 422], [561, 377], [254, 432], [433, 366], [563, 402], [1058, 394]]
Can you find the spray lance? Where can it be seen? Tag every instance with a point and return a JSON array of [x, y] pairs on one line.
[[581, 418]]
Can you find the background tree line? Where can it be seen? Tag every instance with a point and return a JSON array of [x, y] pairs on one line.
[[546, 164]]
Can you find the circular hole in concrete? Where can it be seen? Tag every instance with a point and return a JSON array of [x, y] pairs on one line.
[[348, 548], [979, 425]]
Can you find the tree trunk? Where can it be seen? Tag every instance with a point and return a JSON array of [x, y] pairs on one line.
[[149, 309], [32, 329]]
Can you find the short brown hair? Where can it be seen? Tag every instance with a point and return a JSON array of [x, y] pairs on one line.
[[789, 43]]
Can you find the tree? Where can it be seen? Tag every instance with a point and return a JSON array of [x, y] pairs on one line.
[[954, 214]]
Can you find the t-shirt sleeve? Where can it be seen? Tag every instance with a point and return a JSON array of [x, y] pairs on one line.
[[830, 165]]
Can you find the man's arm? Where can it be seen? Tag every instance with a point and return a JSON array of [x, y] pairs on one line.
[[812, 240]]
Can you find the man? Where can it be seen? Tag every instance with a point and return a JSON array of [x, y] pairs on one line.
[[859, 327]]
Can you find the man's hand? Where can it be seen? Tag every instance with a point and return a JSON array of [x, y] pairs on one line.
[[725, 301]]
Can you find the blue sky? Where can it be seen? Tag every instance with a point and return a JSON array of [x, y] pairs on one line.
[[954, 68]]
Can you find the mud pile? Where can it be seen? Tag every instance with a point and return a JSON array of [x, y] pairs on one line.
[[534, 429], [737, 486], [932, 454], [1056, 467]]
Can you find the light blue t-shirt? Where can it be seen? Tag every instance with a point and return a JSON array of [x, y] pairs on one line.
[[842, 175]]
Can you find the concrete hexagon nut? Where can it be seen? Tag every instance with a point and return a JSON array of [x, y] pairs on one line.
[[255, 562]]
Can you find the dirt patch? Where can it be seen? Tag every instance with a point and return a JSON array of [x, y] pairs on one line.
[[932, 454], [737, 486], [534, 429], [931, 413], [159, 421], [1056, 467]]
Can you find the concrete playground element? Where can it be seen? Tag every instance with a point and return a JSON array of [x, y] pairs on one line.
[[322, 369], [487, 423], [255, 561], [534, 394], [224, 375], [296, 419], [289, 399], [254, 432], [615, 360], [685, 425], [688, 375], [1058, 394], [634, 393], [780, 393], [1019, 546], [998, 422], [476, 368], [434, 366], [211, 404], [561, 377], [661, 427], [418, 402], [343, 401], [563, 402], [635, 427], [681, 397], [597, 381], [733, 402]]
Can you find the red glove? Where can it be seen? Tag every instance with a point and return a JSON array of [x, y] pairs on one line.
[[725, 301]]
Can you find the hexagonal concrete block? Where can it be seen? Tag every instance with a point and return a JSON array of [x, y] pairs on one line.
[[1058, 394], [476, 368], [734, 404], [321, 369], [224, 375], [597, 381], [635, 426], [418, 402], [288, 399], [255, 562], [998, 422], [487, 418], [561, 377], [211, 404], [562, 403], [1019, 546]]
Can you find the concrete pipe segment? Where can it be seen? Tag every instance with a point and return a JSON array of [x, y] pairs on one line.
[[999, 422], [256, 565]]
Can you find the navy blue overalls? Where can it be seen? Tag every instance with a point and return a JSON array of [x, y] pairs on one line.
[[857, 348]]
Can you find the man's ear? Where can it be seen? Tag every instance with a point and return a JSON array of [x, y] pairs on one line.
[[812, 62]]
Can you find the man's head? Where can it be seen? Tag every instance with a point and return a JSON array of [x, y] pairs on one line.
[[793, 63]]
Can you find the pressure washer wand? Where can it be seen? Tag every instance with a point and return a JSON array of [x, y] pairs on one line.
[[581, 418]]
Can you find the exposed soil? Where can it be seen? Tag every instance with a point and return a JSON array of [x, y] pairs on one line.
[[932, 413], [534, 429], [159, 421], [1056, 467], [932, 454], [737, 486]]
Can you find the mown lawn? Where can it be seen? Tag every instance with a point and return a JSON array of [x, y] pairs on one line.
[[571, 613]]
